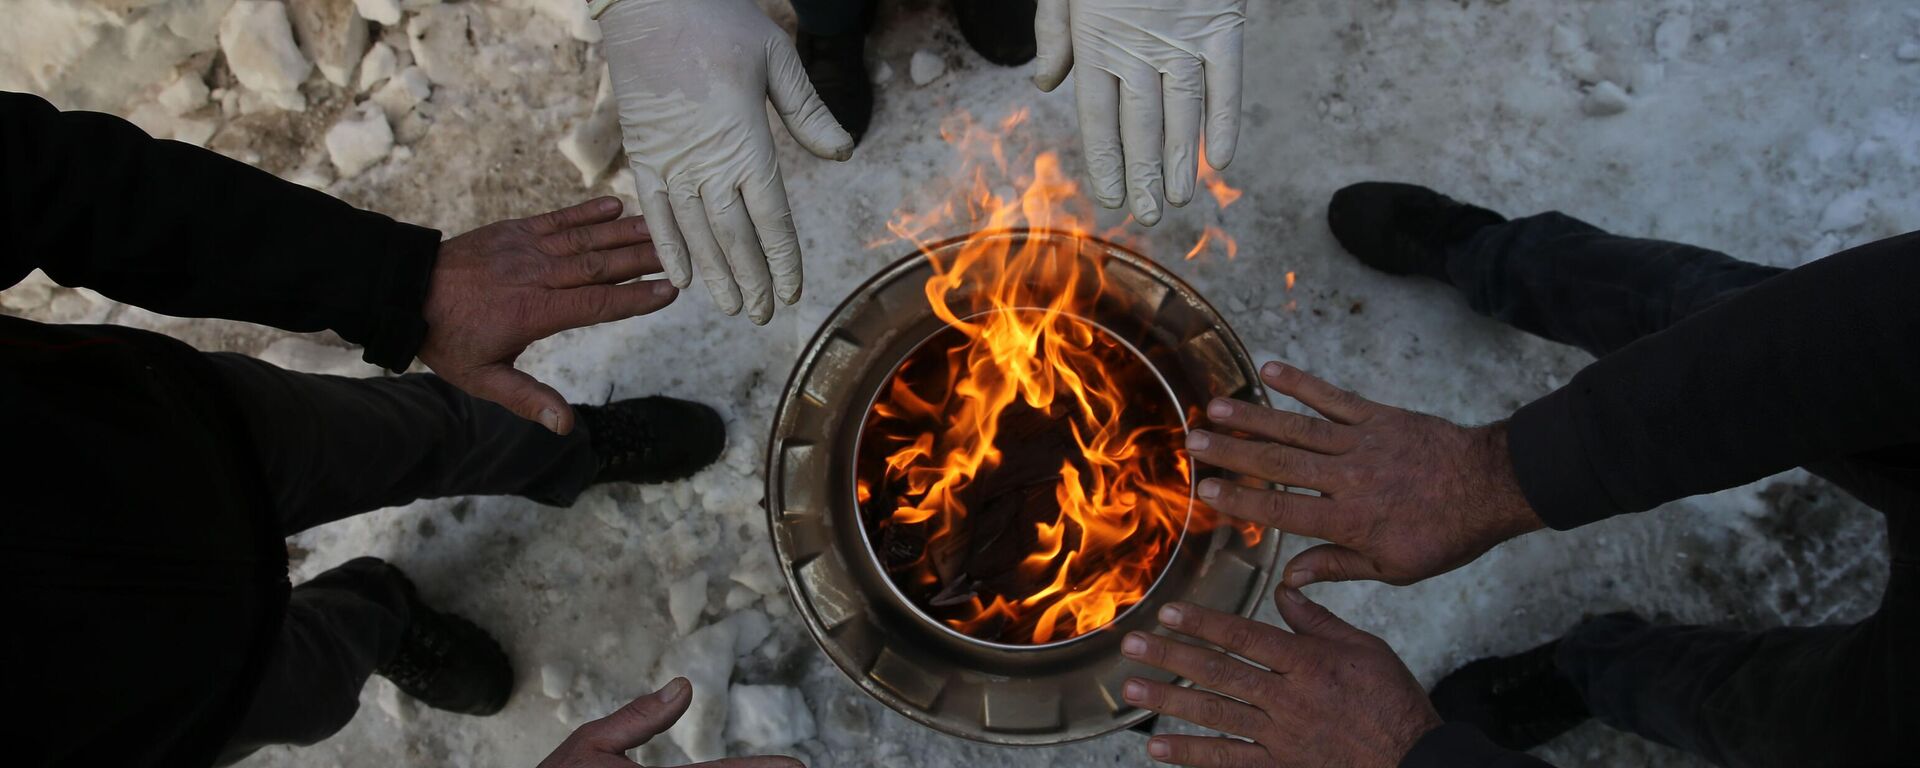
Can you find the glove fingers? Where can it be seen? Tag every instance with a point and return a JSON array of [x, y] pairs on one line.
[[773, 218], [668, 243], [741, 244], [1097, 94], [691, 213], [800, 107], [1140, 138], [1222, 55], [1053, 39], [1184, 102]]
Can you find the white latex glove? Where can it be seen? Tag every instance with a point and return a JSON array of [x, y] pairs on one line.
[[692, 78], [1146, 70]]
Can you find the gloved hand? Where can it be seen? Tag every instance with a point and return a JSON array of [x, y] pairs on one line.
[[1147, 70], [692, 78]]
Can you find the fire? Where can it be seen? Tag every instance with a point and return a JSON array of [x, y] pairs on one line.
[[1021, 365]]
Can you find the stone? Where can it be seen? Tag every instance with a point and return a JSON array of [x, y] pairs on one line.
[[686, 600], [926, 67], [768, 716], [332, 34], [185, 94], [704, 658], [402, 93], [360, 140], [377, 66], [556, 679], [384, 12], [299, 353], [441, 42], [1908, 51], [258, 42], [593, 143], [1605, 99]]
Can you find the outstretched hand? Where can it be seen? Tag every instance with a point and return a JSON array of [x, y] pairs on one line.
[[1324, 694], [503, 286], [604, 743], [1404, 496]]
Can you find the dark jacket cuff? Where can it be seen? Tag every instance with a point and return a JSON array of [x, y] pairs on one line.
[[397, 325], [1458, 745], [1550, 460]]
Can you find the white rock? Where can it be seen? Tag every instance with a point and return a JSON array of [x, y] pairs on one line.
[[882, 74], [379, 64], [361, 139], [402, 93], [1847, 212], [185, 94], [926, 67], [686, 600], [414, 5], [556, 679], [750, 629], [258, 42], [439, 38], [704, 658], [1671, 38], [1605, 99], [313, 177], [573, 15], [594, 142], [298, 353], [740, 597], [1908, 51], [332, 34], [757, 571], [388, 697], [768, 716], [385, 12]]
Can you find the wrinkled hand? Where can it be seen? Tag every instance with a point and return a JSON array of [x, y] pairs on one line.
[[1325, 694], [1146, 70], [503, 286], [692, 79], [604, 743], [1404, 495]]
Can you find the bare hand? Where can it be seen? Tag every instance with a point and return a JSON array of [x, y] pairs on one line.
[[503, 286], [604, 743], [1404, 496], [1325, 694]]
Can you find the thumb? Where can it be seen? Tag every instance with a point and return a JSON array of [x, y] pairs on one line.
[[520, 393], [1307, 617], [1053, 40], [1329, 562], [800, 107], [640, 720]]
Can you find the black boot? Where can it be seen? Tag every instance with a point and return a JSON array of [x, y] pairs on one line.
[[445, 661], [1403, 229], [1520, 702], [1001, 30], [837, 65], [652, 439]]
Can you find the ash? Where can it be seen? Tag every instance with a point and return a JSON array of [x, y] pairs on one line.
[[1778, 132]]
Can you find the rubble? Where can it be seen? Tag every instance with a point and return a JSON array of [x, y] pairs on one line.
[[1605, 99], [686, 600], [442, 43], [377, 66], [332, 34], [704, 658], [258, 42], [185, 94], [926, 67], [361, 139], [594, 142], [402, 93], [384, 12], [768, 717]]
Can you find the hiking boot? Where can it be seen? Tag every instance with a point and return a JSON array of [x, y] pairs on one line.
[[446, 662], [1520, 702], [837, 65], [652, 439], [1000, 30], [1403, 229]]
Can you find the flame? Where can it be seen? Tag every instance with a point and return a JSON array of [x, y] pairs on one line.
[[1024, 345]]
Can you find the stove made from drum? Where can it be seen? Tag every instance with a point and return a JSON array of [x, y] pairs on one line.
[[891, 628]]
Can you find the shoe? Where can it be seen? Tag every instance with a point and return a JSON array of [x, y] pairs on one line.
[[1520, 702], [837, 65], [445, 661], [652, 439], [1403, 229], [1000, 30]]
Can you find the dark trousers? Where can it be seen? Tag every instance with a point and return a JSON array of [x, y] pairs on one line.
[[827, 18], [333, 447], [1792, 696]]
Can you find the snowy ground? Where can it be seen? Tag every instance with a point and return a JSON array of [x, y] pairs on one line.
[[1777, 131]]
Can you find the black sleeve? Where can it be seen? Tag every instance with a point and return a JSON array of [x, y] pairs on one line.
[[1814, 364], [1458, 745], [183, 231]]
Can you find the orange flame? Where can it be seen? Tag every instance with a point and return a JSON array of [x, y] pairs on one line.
[[1024, 345]]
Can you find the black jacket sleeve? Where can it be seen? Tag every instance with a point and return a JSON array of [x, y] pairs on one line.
[[1458, 745], [179, 230], [1814, 364]]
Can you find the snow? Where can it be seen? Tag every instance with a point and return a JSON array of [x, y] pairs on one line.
[[926, 67], [185, 94], [1779, 132], [686, 600], [359, 140], [1908, 51], [258, 43], [768, 717], [556, 679], [1606, 99], [593, 142]]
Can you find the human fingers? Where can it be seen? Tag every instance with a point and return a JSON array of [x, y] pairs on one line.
[[1203, 666], [760, 761], [595, 304], [596, 267], [1202, 708], [518, 392], [1097, 96], [773, 218], [592, 211], [1053, 41], [1331, 562], [1222, 56], [800, 107], [1184, 96], [1295, 513], [708, 259], [1299, 431], [1312, 619], [1331, 401], [603, 236], [667, 240], [740, 241], [1262, 459], [1207, 752], [1265, 644], [1141, 125], [639, 720]]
